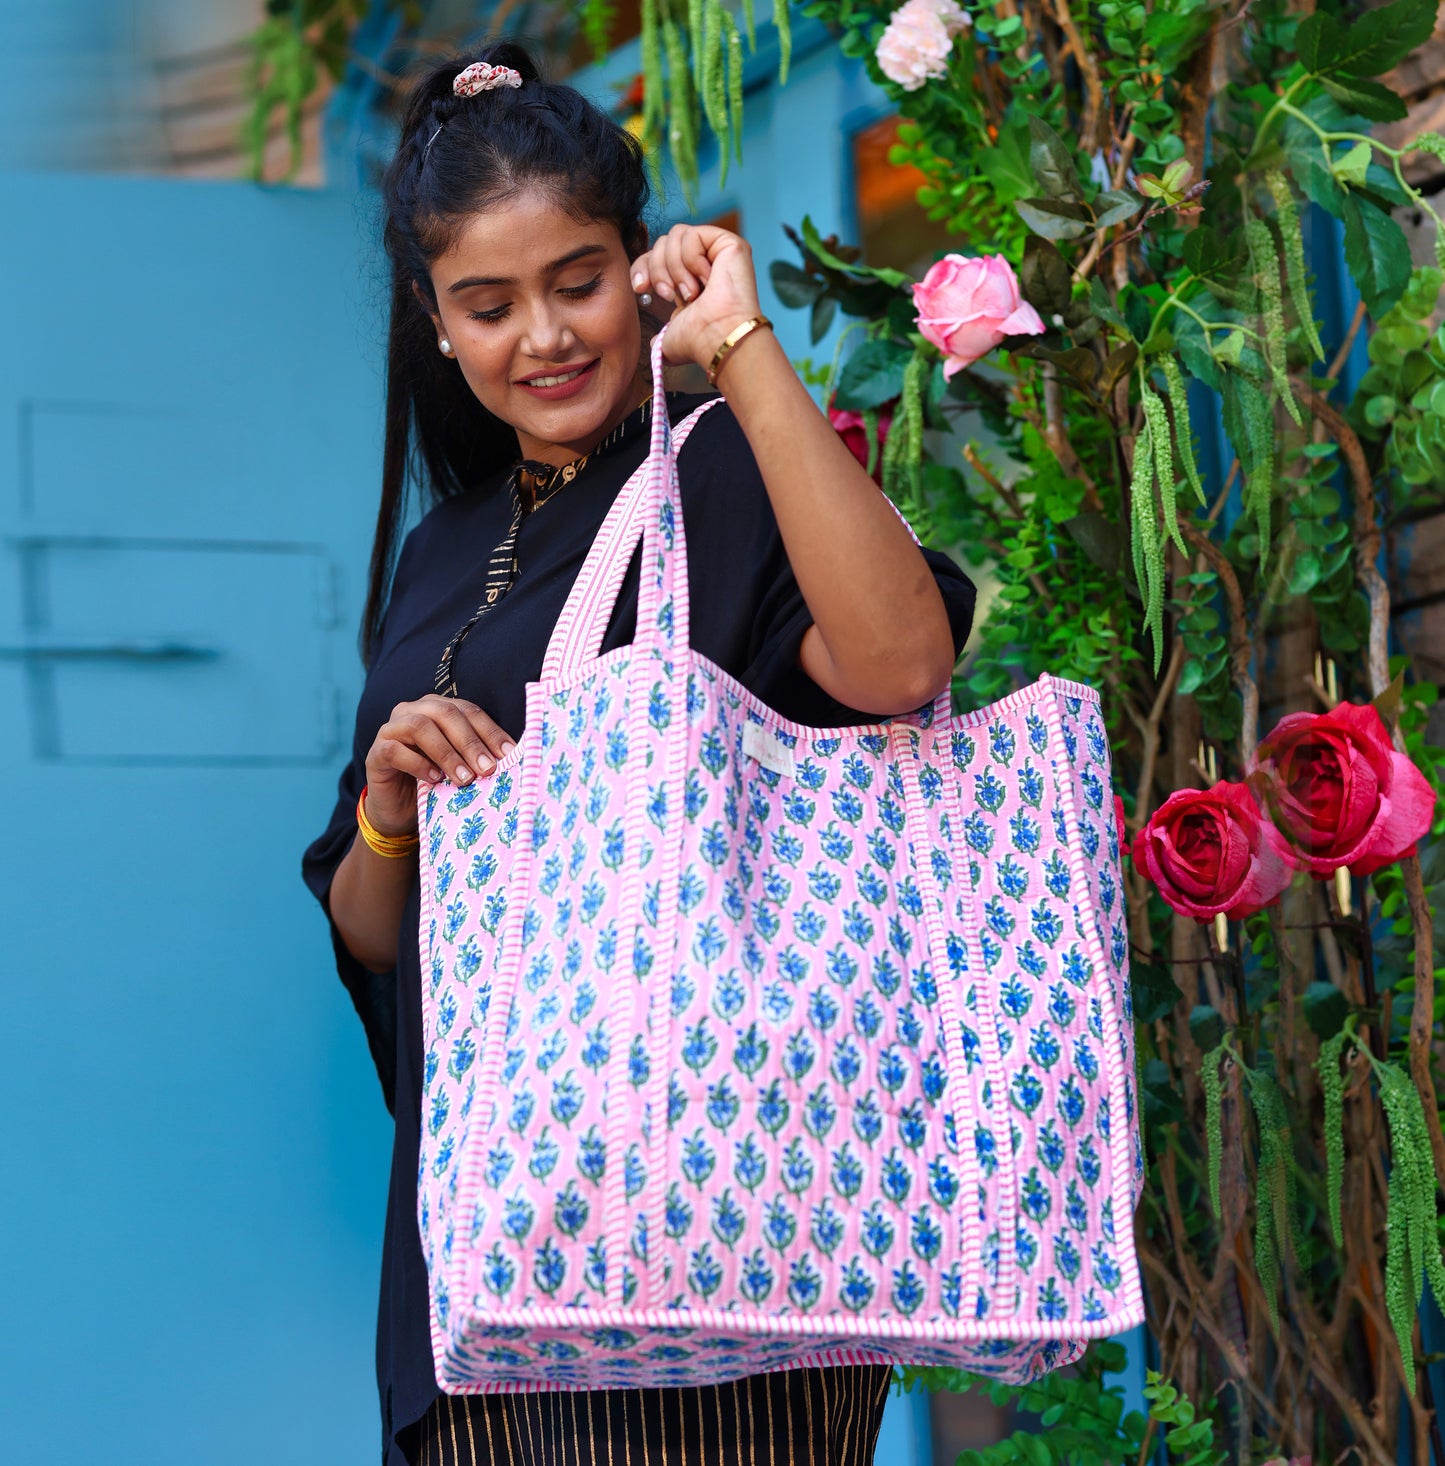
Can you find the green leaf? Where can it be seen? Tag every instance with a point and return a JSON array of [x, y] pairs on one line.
[[1352, 166], [793, 286], [1379, 40], [1154, 991], [1305, 573], [1006, 165], [1052, 162], [1162, 1102], [1113, 206], [1116, 364], [1206, 1027], [820, 252], [1325, 1008], [872, 375], [1078, 363], [1103, 306], [1192, 677], [1368, 98], [824, 309], [1376, 253], [1098, 537], [1044, 276], [1319, 42], [1209, 253], [1055, 218]]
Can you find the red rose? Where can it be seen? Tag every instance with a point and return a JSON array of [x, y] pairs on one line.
[[1339, 791], [1119, 821], [853, 430], [1211, 850]]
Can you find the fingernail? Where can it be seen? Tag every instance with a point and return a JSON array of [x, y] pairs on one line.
[[639, 280], [664, 290], [435, 776], [463, 773], [684, 292], [484, 762], [507, 747]]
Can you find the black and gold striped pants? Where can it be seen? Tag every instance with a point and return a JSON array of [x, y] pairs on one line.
[[795, 1417]]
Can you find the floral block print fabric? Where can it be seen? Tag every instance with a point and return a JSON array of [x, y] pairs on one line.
[[752, 1045]]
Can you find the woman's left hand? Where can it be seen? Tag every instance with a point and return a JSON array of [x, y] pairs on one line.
[[708, 274]]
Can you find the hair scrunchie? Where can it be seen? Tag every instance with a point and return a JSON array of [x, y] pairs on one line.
[[481, 77]]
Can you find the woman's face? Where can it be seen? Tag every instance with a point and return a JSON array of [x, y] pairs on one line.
[[541, 314]]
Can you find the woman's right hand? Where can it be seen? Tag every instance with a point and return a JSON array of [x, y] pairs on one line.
[[434, 738]]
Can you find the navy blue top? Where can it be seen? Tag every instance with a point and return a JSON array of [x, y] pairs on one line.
[[748, 617]]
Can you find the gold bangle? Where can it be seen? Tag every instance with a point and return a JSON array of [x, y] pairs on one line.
[[393, 847], [730, 340]]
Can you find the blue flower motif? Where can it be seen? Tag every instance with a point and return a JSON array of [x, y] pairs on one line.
[[805, 1284], [699, 1047], [773, 1108], [867, 1016], [1014, 998], [1106, 1270], [1026, 1091], [926, 1236], [819, 1113], [795, 1169], [871, 886], [908, 1289], [1031, 784], [1002, 744], [1087, 1158], [988, 792], [847, 1061], [1044, 1047], [755, 1278], [1026, 1248], [876, 1230], [824, 884], [1051, 1146], [777, 1002], [704, 1272], [799, 808], [591, 1155], [986, 1149], [1013, 879], [1046, 923], [856, 1286], [881, 849], [942, 1182], [895, 1177], [729, 1221], [750, 1166], [822, 1009], [723, 1105], [499, 1272], [699, 1159], [677, 1214], [847, 1172], [780, 1226], [1067, 1257], [751, 1052], [857, 926], [787, 847], [979, 833], [1071, 1102]]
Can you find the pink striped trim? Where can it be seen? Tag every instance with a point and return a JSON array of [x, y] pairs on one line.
[[907, 754], [504, 988], [1121, 1159], [737, 1323], [578, 635]]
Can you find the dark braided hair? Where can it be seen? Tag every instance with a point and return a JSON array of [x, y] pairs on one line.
[[456, 157]]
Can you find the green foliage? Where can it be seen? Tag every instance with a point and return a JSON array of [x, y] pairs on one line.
[[1413, 1247], [1276, 1210], [1402, 395], [1190, 1437], [1332, 1090], [1212, 1084], [1082, 1414]]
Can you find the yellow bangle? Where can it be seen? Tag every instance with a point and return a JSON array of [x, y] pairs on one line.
[[393, 847], [730, 340]]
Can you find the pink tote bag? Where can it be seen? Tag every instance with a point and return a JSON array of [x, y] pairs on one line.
[[752, 1045]]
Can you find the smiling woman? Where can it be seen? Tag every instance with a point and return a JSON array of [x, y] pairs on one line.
[[517, 375]]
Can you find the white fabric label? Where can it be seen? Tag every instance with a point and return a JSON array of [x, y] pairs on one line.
[[764, 745]]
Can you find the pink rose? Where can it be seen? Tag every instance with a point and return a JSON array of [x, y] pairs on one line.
[[1211, 850], [914, 47], [1340, 792], [853, 430], [1119, 821], [966, 306]]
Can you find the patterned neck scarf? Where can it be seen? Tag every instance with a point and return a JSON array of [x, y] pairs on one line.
[[529, 486]]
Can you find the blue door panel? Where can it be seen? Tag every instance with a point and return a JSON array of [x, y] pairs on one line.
[[194, 1143]]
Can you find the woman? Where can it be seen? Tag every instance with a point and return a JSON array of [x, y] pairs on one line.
[[517, 374]]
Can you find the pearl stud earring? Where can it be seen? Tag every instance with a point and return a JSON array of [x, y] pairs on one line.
[[645, 298], [446, 346]]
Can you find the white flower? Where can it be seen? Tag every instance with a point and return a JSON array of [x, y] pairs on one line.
[[915, 46]]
